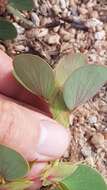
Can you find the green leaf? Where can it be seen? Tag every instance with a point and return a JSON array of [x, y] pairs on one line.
[[7, 30], [21, 5], [67, 65], [17, 185], [61, 171], [12, 164], [84, 178], [34, 74], [83, 84], [59, 110]]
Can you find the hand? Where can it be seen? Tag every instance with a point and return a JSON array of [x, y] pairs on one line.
[[36, 136]]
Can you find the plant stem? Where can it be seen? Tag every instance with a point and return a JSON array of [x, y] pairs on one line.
[[17, 13]]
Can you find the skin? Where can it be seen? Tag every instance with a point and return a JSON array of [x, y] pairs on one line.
[[22, 127]]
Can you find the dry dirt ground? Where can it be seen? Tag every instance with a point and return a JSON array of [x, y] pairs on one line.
[[66, 26]]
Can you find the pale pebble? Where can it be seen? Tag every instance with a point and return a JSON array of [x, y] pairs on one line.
[[100, 35], [35, 19], [52, 39], [63, 4], [86, 151], [93, 22], [98, 140], [92, 120], [20, 48]]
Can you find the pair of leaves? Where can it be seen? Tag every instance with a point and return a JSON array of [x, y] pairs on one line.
[[80, 81], [7, 30], [76, 80], [12, 165], [38, 77]]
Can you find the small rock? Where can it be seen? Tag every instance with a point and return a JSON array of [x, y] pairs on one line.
[[45, 21], [90, 4], [99, 28], [90, 161], [100, 35], [86, 151], [44, 9], [94, 14], [105, 27], [67, 47], [56, 29], [66, 155], [52, 39], [26, 49], [67, 37], [20, 48], [35, 19], [74, 11], [92, 120], [98, 140], [56, 9], [93, 22], [105, 135], [93, 57], [71, 119], [82, 141], [37, 33], [36, 3], [83, 10], [103, 108], [63, 4], [65, 13], [67, 3], [43, 32], [72, 3]]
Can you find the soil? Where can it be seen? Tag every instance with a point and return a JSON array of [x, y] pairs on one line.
[[67, 26]]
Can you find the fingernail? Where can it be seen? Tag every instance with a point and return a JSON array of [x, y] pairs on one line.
[[54, 139]]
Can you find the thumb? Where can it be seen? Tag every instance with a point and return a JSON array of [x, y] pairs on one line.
[[30, 133]]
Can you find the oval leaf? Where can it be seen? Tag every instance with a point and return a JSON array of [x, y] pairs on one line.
[[67, 65], [84, 178], [83, 84], [22, 4], [12, 164], [34, 74], [7, 30]]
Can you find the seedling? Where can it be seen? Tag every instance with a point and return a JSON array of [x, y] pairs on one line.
[[7, 29], [70, 84]]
